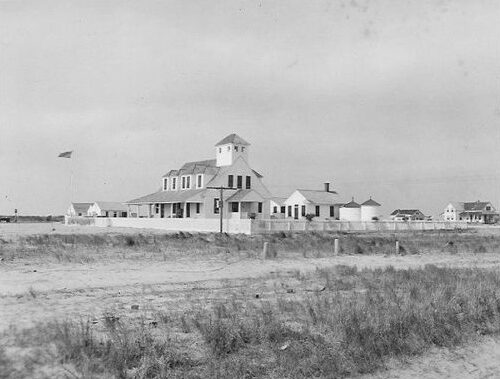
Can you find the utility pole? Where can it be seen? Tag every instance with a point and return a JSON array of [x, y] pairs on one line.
[[221, 202]]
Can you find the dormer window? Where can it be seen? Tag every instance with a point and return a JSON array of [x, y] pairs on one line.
[[199, 181], [186, 182], [236, 148], [165, 184], [174, 184], [242, 149]]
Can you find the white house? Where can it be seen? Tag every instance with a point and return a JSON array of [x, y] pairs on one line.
[[277, 207], [350, 211], [407, 215], [321, 204], [473, 212], [192, 191], [107, 209], [78, 209]]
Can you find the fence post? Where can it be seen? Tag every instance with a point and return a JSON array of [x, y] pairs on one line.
[[336, 246], [397, 247], [265, 249], [289, 225]]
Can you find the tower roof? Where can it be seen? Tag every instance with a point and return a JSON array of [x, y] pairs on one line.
[[234, 139], [371, 203]]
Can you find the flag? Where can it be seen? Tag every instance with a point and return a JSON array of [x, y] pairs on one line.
[[66, 154]]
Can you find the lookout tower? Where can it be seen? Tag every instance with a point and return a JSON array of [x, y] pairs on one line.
[[229, 149]]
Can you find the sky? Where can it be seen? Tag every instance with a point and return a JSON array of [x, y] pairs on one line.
[[398, 100]]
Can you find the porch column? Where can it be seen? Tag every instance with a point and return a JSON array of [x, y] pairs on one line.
[[149, 210]]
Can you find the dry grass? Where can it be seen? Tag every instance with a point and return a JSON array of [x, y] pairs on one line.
[[89, 248], [334, 323]]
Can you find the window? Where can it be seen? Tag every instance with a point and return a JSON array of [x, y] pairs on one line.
[[234, 207], [248, 182], [242, 149], [282, 210], [488, 208], [199, 180], [289, 211], [220, 149], [240, 181], [183, 182], [230, 181], [259, 208], [332, 211], [157, 208], [275, 209], [303, 212], [124, 214], [216, 206], [317, 210], [236, 148], [165, 184], [198, 208], [174, 184], [188, 182]]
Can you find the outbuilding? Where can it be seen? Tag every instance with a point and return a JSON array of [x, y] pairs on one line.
[[350, 211], [370, 210]]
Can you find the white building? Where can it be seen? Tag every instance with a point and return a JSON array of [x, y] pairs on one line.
[[78, 209], [321, 204], [370, 210], [473, 212], [191, 191], [107, 209], [350, 211], [277, 207]]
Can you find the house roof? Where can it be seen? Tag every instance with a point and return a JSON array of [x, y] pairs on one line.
[[475, 206], [278, 200], [457, 205], [351, 204], [246, 196], [193, 196], [111, 206], [405, 212], [319, 197], [371, 203], [197, 167], [81, 207], [234, 139]]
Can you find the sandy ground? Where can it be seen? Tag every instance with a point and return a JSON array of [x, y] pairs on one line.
[[32, 292], [10, 231]]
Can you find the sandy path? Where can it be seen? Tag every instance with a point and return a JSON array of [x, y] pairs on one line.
[[479, 359]]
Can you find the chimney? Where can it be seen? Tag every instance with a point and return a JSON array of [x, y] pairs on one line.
[[327, 187]]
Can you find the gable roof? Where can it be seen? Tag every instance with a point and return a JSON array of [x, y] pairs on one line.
[[405, 212], [170, 197], [81, 207], [351, 204], [234, 139], [475, 206], [371, 203], [319, 197], [245, 195], [111, 206]]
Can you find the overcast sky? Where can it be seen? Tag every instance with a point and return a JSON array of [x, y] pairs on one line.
[[399, 100]]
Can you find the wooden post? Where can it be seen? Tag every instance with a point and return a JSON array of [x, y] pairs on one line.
[[221, 208], [336, 246], [397, 247], [265, 250], [289, 225]]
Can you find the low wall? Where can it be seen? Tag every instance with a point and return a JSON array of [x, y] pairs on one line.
[[171, 224], [269, 226]]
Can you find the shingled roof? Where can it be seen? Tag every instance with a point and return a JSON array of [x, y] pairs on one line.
[[81, 207], [405, 212], [319, 197], [371, 203], [170, 197], [234, 139], [197, 167]]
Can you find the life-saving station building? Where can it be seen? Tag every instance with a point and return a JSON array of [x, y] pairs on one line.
[[193, 190]]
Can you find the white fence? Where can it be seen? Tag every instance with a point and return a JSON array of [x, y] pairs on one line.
[[170, 224], [247, 226], [270, 226]]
